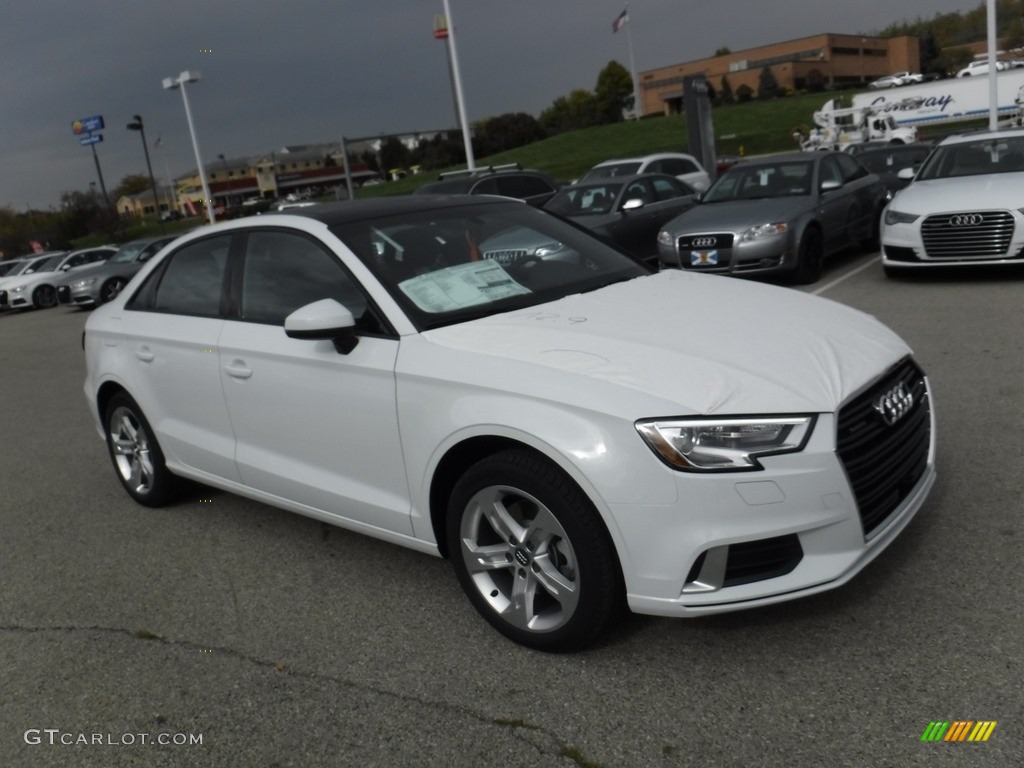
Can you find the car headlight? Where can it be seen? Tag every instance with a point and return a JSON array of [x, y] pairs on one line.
[[18, 289], [762, 231], [709, 444], [897, 217], [665, 238], [84, 283]]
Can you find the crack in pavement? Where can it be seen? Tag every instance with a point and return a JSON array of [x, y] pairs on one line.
[[523, 727]]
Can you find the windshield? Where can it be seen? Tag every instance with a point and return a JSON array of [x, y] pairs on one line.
[[11, 267], [610, 170], [127, 253], [755, 182], [892, 161], [1000, 154], [454, 264], [584, 200]]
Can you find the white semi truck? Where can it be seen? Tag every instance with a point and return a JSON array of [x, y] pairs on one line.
[[956, 99]]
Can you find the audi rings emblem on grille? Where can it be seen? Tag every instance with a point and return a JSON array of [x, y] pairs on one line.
[[702, 242], [965, 220], [894, 404]]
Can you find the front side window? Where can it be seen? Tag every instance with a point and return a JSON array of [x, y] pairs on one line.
[[284, 271], [193, 278]]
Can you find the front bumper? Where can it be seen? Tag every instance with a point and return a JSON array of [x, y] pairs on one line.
[[771, 255], [807, 523], [83, 295], [934, 240]]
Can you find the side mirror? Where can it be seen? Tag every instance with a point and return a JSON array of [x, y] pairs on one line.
[[830, 184], [906, 173], [324, 319], [632, 204], [65, 267]]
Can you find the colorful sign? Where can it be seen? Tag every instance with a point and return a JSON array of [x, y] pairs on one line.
[[87, 125], [87, 140]]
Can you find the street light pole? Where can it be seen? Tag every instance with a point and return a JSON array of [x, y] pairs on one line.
[[136, 125], [171, 83], [467, 139]]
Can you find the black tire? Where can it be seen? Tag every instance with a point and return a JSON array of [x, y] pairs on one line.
[[532, 553], [810, 256], [44, 297], [110, 289], [136, 455]]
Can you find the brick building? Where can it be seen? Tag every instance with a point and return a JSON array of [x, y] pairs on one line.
[[833, 60]]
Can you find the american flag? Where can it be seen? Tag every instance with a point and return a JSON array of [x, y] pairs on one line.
[[620, 22]]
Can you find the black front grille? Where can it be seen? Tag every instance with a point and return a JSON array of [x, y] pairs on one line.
[[3, 298], [884, 462], [704, 242], [973, 235]]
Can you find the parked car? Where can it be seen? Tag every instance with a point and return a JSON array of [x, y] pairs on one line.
[[573, 434], [39, 289], [777, 215], [37, 263], [684, 167], [963, 206], [980, 68], [535, 187], [888, 81], [888, 162], [99, 284], [627, 210]]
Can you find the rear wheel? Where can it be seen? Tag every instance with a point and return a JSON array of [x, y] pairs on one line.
[[531, 552], [110, 289], [809, 258], [136, 455], [44, 297]]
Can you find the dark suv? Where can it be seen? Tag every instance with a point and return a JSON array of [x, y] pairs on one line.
[[535, 187]]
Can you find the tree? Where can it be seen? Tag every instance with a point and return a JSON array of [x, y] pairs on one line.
[[131, 184], [816, 80], [767, 85], [614, 92], [394, 155], [725, 92], [723, 51], [570, 113], [504, 132], [744, 94]]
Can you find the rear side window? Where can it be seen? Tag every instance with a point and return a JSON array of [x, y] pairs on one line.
[[192, 279]]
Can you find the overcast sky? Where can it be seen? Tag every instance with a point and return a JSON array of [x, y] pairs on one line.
[[279, 72]]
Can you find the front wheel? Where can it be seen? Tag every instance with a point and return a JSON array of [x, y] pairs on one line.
[[532, 553], [111, 288], [810, 256], [136, 455], [45, 296]]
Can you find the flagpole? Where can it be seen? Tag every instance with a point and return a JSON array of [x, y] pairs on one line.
[[460, 103], [632, 67]]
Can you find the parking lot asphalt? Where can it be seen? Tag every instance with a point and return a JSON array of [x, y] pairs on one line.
[[280, 641]]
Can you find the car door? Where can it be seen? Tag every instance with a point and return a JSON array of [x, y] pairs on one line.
[[867, 192], [314, 426], [834, 204], [171, 326]]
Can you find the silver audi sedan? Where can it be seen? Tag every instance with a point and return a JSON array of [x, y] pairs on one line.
[[779, 215]]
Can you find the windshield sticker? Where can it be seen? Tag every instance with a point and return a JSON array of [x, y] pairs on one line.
[[464, 285]]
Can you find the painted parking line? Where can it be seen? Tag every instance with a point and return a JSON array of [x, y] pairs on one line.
[[851, 273]]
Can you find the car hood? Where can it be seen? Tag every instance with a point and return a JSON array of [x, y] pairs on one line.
[[10, 283], [737, 215], [963, 193], [702, 344]]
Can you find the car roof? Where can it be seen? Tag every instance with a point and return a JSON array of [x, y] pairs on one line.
[[606, 180], [983, 133], [347, 211]]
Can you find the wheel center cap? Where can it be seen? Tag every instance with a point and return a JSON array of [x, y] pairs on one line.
[[522, 558]]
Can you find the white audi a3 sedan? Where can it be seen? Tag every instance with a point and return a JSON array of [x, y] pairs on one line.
[[573, 432], [964, 207]]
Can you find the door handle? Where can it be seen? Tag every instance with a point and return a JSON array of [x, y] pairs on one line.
[[238, 370], [145, 355]]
